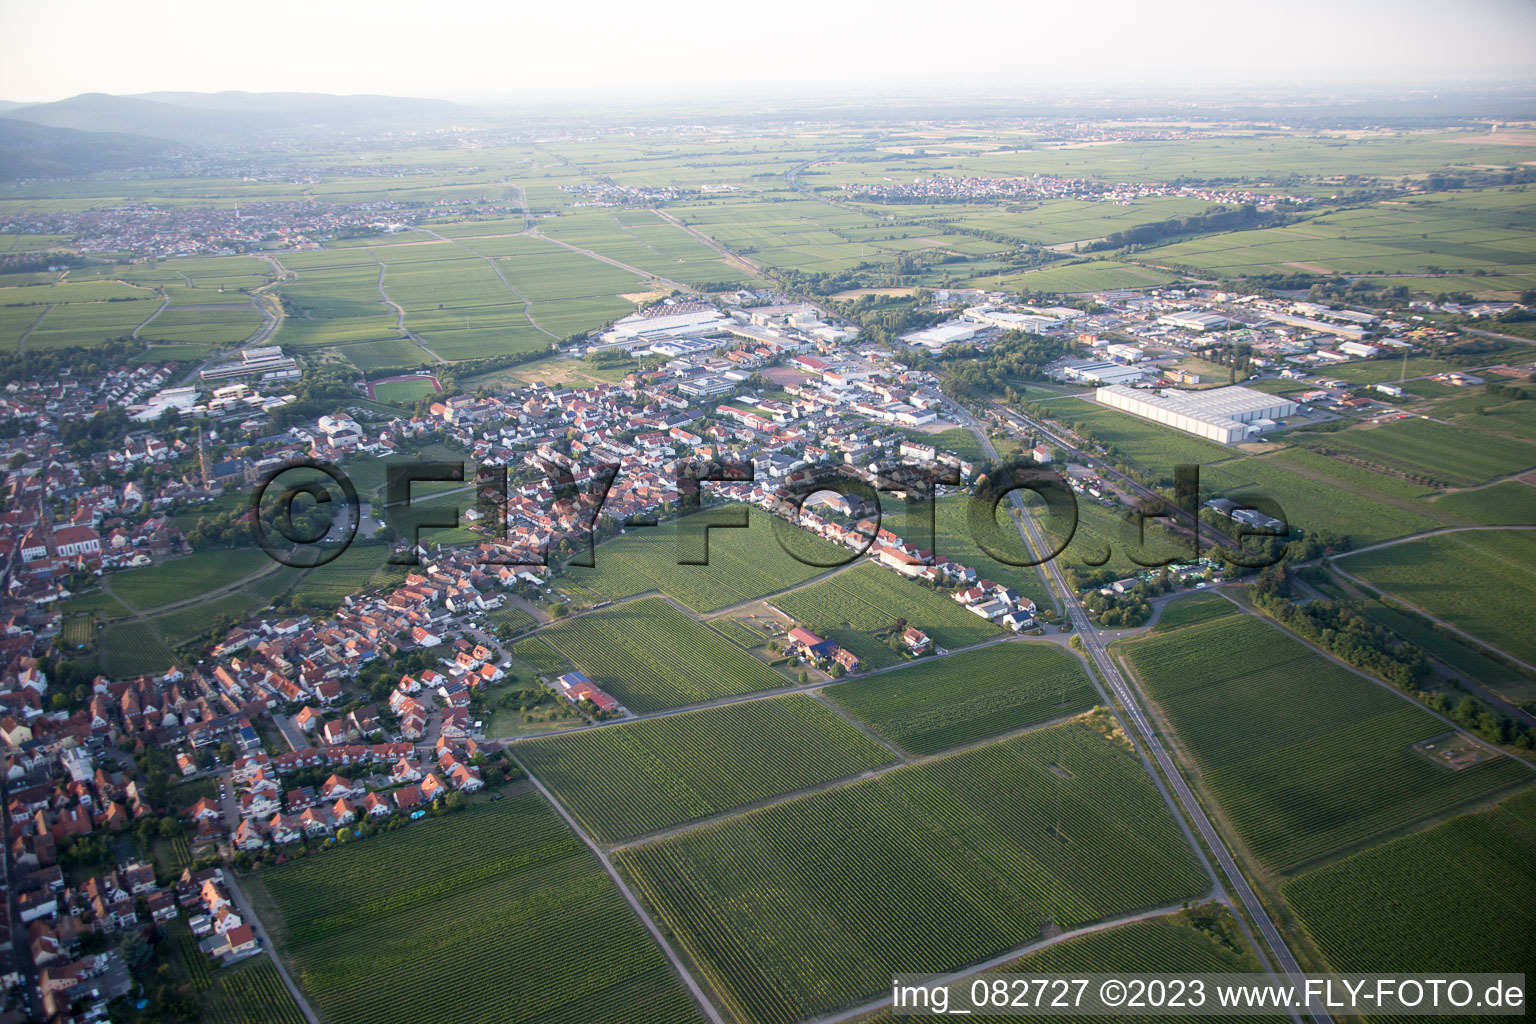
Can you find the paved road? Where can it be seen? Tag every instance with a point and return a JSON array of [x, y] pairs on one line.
[[1094, 644]]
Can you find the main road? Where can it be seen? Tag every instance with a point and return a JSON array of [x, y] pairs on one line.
[[1095, 647]]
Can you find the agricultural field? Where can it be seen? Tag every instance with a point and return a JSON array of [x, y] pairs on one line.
[[1511, 503], [1489, 230], [1154, 448], [250, 992], [1305, 757], [1317, 502], [650, 656], [1079, 278], [953, 539], [502, 890], [180, 579], [1174, 943], [857, 608], [1451, 576], [743, 564], [621, 781], [1190, 609], [131, 649], [942, 702], [1458, 895], [808, 906], [1437, 452]]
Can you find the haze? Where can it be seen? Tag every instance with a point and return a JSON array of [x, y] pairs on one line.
[[495, 51]]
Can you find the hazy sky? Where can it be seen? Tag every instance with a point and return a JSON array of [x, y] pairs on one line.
[[508, 49]]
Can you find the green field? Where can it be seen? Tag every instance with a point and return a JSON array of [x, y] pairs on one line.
[[942, 702], [249, 993], [1305, 757], [650, 656], [1454, 576], [1461, 895], [1491, 231], [808, 906], [504, 891], [627, 780], [179, 579], [132, 649], [1446, 454], [855, 607], [743, 564]]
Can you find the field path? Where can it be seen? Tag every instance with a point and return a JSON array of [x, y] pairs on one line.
[[1479, 641], [527, 305], [21, 342], [202, 598], [904, 761], [1367, 676], [634, 904], [165, 301], [249, 913], [1004, 958], [725, 254], [400, 314]]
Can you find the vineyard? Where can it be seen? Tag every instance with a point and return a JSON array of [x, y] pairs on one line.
[[941, 702], [1452, 575], [1457, 895], [627, 780], [1306, 757], [1194, 608], [503, 893], [249, 993], [131, 649], [537, 655], [738, 631], [807, 906], [852, 607], [1163, 945], [743, 564], [651, 656]]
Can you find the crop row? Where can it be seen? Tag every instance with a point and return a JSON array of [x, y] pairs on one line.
[[941, 702], [651, 656], [1306, 757], [804, 907], [627, 780]]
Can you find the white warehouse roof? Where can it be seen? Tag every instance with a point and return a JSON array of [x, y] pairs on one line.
[[1220, 414]]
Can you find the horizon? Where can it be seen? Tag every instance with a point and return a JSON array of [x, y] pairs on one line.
[[1191, 48]]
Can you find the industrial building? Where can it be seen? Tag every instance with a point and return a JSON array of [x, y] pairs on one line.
[[1101, 372], [943, 334], [1227, 415], [1193, 320]]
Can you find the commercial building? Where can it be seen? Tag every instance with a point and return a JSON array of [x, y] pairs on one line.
[[1227, 415]]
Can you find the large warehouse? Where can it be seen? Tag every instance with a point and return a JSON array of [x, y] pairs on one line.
[[1220, 414]]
